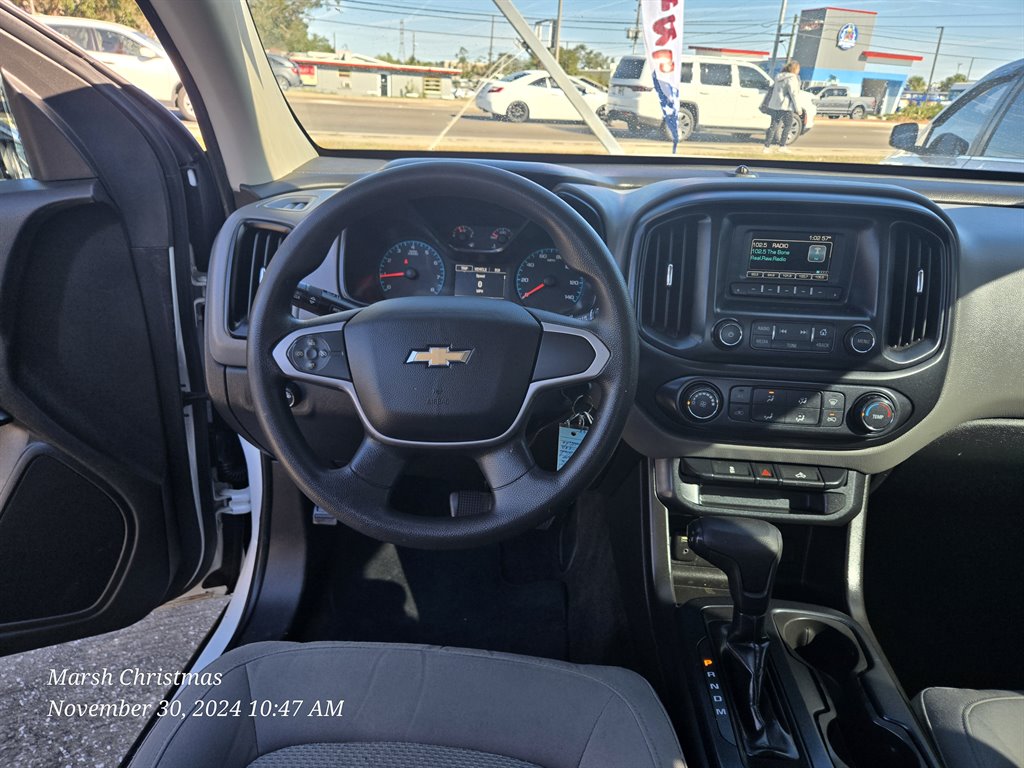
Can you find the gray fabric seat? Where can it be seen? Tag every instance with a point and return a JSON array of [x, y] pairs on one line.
[[975, 729], [411, 706]]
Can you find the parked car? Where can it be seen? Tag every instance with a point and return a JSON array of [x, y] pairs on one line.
[[724, 96], [137, 58], [835, 101], [533, 94], [286, 71], [981, 130]]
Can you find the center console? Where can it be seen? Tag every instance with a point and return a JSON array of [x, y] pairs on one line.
[[792, 319], [784, 684]]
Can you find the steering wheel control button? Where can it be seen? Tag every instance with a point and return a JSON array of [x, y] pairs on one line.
[[732, 471], [700, 402], [799, 476], [728, 334], [765, 474], [876, 413], [860, 340], [322, 354]]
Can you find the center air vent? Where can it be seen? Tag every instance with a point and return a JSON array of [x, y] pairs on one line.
[[916, 292], [668, 261], [255, 246]]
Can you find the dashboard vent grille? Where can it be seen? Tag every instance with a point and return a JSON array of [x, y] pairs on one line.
[[255, 246], [916, 288], [666, 274]]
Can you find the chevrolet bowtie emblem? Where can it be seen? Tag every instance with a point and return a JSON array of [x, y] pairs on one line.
[[439, 357]]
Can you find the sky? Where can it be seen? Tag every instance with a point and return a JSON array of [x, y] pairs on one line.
[[991, 32]]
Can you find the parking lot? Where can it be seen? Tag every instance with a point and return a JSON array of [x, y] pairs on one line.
[[367, 123]]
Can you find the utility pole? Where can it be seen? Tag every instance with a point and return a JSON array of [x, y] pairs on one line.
[[414, 46], [636, 27], [334, 41], [792, 37], [970, 67], [490, 47], [938, 45], [401, 39], [778, 38], [557, 32]]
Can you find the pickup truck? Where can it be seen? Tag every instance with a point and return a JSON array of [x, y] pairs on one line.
[[836, 101]]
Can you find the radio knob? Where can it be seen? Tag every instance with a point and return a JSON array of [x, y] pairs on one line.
[[876, 413], [728, 333], [700, 402]]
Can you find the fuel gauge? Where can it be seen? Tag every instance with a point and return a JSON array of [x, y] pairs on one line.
[[463, 235], [500, 237]]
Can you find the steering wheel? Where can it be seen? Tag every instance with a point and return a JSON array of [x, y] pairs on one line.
[[436, 373]]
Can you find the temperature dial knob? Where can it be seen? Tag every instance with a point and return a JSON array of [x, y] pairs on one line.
[[876, 413], [700, 402]]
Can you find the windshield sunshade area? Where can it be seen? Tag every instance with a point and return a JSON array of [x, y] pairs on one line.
[[703, 78]]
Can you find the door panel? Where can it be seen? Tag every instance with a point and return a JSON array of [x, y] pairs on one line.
[[106, 506]]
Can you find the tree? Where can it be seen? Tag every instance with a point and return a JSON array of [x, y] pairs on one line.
[[119, 11], [576, 59], [916, 84], [283, 26], [957, 78]]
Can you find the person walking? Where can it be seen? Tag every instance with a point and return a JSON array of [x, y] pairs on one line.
[[781, 103]]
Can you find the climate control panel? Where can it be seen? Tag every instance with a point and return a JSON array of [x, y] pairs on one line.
[[834, 412]]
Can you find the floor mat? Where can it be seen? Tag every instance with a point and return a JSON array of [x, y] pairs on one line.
[[376, 592], [942, 578]]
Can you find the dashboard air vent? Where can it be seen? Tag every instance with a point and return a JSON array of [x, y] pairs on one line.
[[916, 289], [255, 246], [666, 278]]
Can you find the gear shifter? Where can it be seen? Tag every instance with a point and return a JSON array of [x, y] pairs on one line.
[[749, 552]]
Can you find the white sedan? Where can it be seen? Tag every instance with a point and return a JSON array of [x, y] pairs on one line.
[[533, 95]]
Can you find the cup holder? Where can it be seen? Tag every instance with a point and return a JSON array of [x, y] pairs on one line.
[[856, 734]]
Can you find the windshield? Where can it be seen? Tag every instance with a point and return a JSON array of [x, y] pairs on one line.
[[806, 82]]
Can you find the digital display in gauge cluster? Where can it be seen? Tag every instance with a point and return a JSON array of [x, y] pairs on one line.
[[486, 281]]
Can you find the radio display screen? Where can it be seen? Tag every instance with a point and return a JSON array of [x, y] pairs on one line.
[[790, 256]]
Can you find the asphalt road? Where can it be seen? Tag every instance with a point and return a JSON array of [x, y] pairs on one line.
[[32, 736], [393, 124]]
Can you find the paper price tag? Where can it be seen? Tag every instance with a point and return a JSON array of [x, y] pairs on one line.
[[569, 439]]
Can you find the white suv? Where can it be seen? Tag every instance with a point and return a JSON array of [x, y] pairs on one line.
[[716, 95], [138, 59]]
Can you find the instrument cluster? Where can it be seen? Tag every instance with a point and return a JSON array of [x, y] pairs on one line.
[[456, 247]]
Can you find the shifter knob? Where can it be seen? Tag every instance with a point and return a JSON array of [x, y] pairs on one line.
[[747, 550]]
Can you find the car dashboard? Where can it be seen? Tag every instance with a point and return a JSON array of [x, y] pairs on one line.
[[832, 325]]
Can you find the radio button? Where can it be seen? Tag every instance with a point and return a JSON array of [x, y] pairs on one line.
[[762, 328], [860, 339], [761, 342], [793, 346], [787, 290], [746, 289], [729, 333], [803, 291]]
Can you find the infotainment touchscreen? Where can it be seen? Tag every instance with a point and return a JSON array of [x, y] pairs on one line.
[[793, 256]]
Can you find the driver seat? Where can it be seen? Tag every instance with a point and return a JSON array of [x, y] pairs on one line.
[[410, 706]]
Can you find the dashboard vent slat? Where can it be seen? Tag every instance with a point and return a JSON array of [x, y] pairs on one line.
[[915, 298], [666, 274], [255, 246]]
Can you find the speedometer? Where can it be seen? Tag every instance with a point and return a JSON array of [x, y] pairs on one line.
[[544, 281], [411, 268]]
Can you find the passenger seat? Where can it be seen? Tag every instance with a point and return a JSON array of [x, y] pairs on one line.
[[975, 729]]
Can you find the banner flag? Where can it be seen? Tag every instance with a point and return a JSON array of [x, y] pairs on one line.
[[662, 22]]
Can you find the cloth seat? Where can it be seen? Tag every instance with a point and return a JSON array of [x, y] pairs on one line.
[[975, 729], [411, 706]]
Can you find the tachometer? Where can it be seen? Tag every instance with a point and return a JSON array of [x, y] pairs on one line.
[[544, 281], [411, 268]]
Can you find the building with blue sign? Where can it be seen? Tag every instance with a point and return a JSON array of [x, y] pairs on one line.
[[833, 46]]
